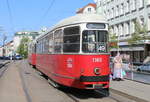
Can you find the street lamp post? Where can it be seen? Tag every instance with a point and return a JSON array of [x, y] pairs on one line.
[[4, 39]]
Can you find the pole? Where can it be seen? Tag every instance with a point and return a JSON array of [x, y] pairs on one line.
[[132, 71], [4, 39], [118, 43]]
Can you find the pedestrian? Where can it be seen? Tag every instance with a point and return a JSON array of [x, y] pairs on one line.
[[117, 73]]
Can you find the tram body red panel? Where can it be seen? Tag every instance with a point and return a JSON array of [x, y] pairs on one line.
[[68, 69], [32, 59]]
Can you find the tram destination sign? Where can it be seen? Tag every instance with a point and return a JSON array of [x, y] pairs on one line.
[[95, 26]]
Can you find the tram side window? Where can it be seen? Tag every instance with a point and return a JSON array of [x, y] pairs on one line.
[[45, 43], [33, 48], [38, 47], [51, 43], [71, 40], [57, 41]]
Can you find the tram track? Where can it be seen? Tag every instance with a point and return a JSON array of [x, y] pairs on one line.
[[73, 98], [130, 98], [111, 98], [24, 85], [3, 68], [85, 96]]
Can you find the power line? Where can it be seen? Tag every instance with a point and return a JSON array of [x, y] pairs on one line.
[[10, 15], [46, 12]]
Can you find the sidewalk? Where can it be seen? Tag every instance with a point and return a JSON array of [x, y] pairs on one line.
[[135, 90], [11, 87]]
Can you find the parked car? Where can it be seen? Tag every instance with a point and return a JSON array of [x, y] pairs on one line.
[[137, 63], [4, 58], [18, 57], [144, 68], [1, 57]]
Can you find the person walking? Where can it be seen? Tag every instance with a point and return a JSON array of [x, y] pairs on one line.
[[117, 73]]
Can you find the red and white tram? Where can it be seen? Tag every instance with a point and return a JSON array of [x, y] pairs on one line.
[[32, 53], [74, 53]]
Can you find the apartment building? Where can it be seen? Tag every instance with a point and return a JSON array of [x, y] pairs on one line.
[[121, 15], [89, 8], [7, 49], [19, 35]]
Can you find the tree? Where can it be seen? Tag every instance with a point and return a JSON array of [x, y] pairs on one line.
[[139, 36], [23, 47], [113, 39]]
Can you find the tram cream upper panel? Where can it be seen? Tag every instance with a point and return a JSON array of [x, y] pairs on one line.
[[81, 18]]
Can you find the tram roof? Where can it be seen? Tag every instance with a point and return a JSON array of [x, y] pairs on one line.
[[80, 18]]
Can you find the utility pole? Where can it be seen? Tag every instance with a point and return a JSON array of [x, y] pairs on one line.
[[4, 39]]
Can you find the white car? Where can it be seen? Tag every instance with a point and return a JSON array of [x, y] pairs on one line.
[[144, 68]]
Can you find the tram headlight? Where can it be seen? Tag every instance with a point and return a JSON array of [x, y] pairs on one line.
[[97, 71]]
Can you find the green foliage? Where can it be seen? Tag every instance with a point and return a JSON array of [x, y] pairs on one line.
[[23, 47], [113, 39], [139, 34]]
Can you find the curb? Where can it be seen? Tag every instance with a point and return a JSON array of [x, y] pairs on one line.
[[137, 99], [4, 63]]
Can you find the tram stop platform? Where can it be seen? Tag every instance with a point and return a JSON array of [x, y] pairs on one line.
[[137, 91]]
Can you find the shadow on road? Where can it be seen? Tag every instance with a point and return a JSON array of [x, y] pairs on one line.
[[82, 94]]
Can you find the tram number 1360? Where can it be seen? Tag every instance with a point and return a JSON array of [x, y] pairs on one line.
[[97, 59]]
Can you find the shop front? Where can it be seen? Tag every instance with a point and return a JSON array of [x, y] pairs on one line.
[[137, 52]]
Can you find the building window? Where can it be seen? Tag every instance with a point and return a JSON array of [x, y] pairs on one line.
[[132, 26], [117, 10], [121, 29], [142, 21], [108, 15], [116, 30], [127, 6], [133, 5], [121, 9], [126, 27], [141, 3], [148, 23], [89, 10], [113, 12]]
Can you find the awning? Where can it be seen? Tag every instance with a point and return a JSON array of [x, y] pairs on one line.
[[128, 49]]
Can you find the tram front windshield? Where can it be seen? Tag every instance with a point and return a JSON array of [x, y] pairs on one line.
[[94, 41]]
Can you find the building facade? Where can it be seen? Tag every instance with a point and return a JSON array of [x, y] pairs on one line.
[[19, 35], [1, 51], [121, 15], [7, 49]]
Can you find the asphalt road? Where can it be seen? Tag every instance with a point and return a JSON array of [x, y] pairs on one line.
[[22, 83]]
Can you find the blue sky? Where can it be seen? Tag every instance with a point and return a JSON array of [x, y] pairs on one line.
[[28, 15]]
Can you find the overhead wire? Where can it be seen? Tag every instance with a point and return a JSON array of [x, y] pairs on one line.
[[10, 19], [10, 15], [46, 12]]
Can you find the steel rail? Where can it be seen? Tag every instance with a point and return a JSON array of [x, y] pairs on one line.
[[24, 85]]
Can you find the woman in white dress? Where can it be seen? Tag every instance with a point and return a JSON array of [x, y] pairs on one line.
[[117, 73]]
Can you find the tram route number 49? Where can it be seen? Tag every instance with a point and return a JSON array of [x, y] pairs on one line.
[[101, 48]]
